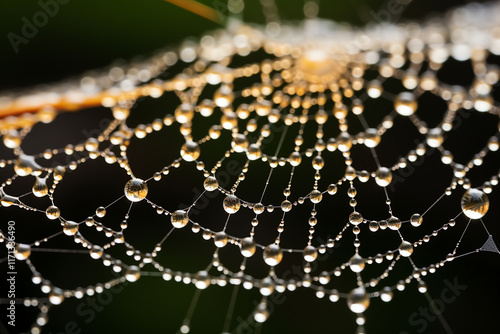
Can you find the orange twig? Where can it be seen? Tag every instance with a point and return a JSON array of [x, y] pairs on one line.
[[198, 9]]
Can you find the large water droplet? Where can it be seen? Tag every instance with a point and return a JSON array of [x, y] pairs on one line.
[[247, 247], [394, 223], [273, 255], [22, 251], [475, 203], [239, 143], [383, 176], [133, 273], [179, 218], [261, 313], [310, 253], [202, 280], [56, 296], [316, 196], [190, 151], [416, 220], [405, 249], [405, 104], [220, 239], [136, 190], [26, 165], [357, 263], [70, 228], [210, 183], [355, 218], [52, 212], [96, 252], [372, 138], [40, 188], [231, 204], [358, 300]]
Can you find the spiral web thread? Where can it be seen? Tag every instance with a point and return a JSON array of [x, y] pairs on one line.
[[301, 108]]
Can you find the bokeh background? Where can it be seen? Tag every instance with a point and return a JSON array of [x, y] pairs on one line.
[[90, 34]]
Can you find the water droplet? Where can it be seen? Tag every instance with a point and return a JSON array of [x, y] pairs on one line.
[[286, 205], [12, 139], [374, 89], [190, 151], [58, 173], [239, 143], [383, 176], [405, 249], [273, 255], [96, 252], [394, 223], [475, 203], [22, 251], [332, 189], [316, 196], [374, 226], [318, 162], [52, 212], [357, 263], [220, 239], [40, 188], [405, 104], [258, 208], [310, 253], [7, 200], [184, 113], [355, 218], [386, 294], [56, 296], [179, 219], [324, 278], [247, 247], [70, 228], [202, 280], [358, 300], [100, 211], [210, 183], [267, 286], [435, 137], [92, 145], [416, 220], [422, 287], [372, 138], [120, 113], [231, 204], [136, 190], [254, 152], [261, 313], [295, 159], [26, 165], [344, 142], [223, 96], [133, 273]]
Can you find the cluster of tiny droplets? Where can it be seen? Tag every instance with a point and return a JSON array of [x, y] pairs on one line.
[[294, 85]]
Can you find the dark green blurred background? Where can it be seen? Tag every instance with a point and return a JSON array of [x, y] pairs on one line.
[[88, 34]]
